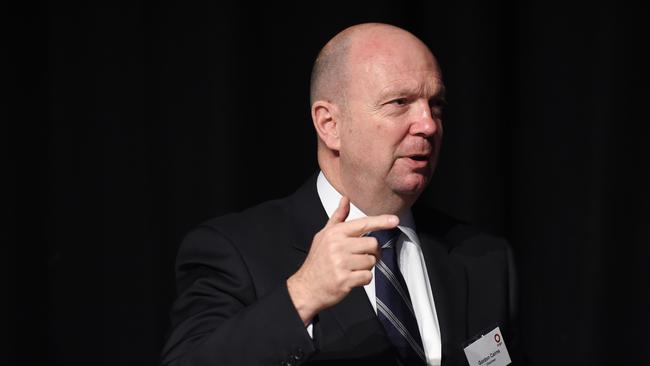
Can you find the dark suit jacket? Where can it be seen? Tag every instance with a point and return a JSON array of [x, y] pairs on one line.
[[233, 307]]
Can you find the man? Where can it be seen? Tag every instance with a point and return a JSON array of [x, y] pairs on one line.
[[338, 273]]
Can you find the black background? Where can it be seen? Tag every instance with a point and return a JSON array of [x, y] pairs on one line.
[[126, 125]]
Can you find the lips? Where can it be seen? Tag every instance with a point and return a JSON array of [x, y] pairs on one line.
[[420, 157], [417, 153], [417, 160]]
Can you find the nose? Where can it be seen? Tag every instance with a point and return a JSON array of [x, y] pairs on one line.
[[424, 123]]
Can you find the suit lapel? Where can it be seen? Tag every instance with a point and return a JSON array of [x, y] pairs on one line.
[[307, 215], [448, 281]]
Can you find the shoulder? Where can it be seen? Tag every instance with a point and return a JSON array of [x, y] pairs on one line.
[[216, 237], [244, 234], [286, 220], [259, 218]]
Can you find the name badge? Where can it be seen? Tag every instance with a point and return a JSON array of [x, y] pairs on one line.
[[490, 350]]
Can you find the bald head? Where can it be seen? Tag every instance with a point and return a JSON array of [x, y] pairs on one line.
[[328, 72], [331, 70]]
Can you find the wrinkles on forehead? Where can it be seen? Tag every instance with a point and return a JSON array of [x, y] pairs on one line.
[[434, 89]]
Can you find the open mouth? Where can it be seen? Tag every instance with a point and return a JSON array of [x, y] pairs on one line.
[[419, 157]]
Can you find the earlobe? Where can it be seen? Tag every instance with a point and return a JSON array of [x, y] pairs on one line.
[[325, 119]]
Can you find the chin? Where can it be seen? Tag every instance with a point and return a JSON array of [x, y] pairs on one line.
[[412, 185]]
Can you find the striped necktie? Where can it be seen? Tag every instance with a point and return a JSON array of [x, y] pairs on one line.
[[394, 307]]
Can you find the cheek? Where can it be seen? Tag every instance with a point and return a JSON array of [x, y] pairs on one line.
[[382, 142], [373, 142]]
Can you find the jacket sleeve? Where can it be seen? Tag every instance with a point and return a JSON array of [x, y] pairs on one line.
[[219, 319]]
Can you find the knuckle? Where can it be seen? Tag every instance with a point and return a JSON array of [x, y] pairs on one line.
[[341, 281], [372, 259], [366, 277], [345, 290], [366, 226]]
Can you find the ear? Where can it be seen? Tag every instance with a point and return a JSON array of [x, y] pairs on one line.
[[325, 116]]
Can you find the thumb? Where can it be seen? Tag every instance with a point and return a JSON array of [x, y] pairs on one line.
[[341, 212]]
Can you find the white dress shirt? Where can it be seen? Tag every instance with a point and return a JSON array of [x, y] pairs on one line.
[[412, 267]]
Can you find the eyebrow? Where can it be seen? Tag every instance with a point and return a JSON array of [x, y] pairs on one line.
[[390, 92]]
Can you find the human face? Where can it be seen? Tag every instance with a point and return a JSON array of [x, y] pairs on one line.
[[391, 132]]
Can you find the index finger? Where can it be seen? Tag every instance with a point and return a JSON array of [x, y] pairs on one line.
[[364, 225]]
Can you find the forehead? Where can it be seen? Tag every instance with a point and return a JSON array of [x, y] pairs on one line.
[[398, 65], [384, 84]]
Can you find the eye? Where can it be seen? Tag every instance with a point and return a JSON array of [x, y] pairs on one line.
[[399, 101]]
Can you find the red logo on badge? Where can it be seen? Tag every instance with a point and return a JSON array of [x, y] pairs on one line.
[[497, 338]]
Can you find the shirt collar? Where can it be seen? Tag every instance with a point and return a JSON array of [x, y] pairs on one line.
[[330, 198]]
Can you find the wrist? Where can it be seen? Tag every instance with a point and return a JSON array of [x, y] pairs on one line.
[[301, 299]]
